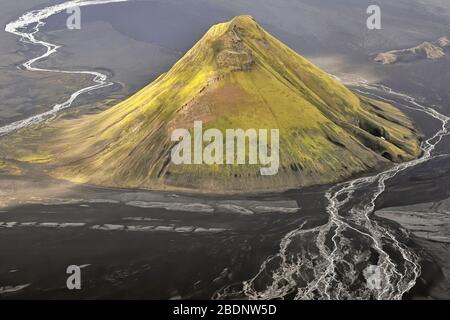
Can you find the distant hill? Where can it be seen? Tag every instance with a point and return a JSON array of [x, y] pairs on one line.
[[236, 76], [427, 50]]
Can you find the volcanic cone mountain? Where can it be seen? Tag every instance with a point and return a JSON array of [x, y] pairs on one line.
[[236, 76]]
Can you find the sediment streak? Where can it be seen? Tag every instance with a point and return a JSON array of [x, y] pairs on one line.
[[354, 255], [26, 27]]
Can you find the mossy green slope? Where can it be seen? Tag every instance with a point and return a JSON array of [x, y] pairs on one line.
[[236, 76]]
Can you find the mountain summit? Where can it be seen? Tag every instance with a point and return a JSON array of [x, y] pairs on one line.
[[236, 76]]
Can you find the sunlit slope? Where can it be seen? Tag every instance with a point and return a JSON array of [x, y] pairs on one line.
[[236, 76]]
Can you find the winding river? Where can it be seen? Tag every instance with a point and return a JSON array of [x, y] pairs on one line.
[[330, 269], [26, 27]]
